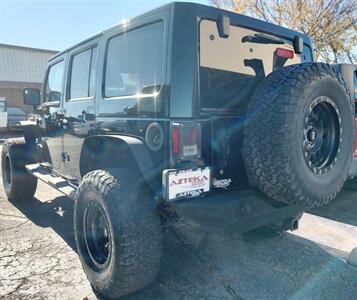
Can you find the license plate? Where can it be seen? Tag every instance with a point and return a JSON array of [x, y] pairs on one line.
[[186, 183]]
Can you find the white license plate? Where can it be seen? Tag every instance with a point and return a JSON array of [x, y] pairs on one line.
[[186, 183]]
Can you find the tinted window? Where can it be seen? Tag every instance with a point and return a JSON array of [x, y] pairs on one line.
[[83, 74], [54, 86], [92, 74], [134, 62], [231, 68]]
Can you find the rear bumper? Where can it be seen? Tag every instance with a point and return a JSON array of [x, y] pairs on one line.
[[235, 211]]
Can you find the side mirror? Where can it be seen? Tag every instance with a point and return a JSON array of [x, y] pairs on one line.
[[54, 96], [32, 97]]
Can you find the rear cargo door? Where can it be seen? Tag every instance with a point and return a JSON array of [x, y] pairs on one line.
[[231, 68], [221, 145]]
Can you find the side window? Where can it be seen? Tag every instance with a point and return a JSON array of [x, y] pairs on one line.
[[134, 62], [92, 74], [54, 85], [82, 76]]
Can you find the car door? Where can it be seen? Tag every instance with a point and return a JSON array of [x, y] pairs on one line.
[[79, 106], [51, 110]]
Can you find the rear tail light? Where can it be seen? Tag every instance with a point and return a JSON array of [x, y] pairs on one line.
[[175, 140], [284, 53], [185, 141]]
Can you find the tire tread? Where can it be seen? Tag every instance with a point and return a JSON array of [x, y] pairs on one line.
[[266, 147], [140, 231]]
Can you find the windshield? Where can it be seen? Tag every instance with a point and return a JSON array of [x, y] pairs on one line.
[[15, 111]]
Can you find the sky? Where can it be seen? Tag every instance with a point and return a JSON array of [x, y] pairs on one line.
[[58, 24]]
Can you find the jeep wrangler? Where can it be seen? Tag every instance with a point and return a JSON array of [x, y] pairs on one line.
[[186, 110]]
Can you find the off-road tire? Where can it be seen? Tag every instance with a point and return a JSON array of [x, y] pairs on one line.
[[272, 145], [134, 230], [18, 184]]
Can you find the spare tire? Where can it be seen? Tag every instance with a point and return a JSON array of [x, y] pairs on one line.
[[299, 134]]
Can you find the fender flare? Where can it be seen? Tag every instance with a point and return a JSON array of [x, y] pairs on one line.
[[140, 152]]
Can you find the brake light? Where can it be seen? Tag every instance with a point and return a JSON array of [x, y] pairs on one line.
[[284, 53], [190, 141], [185, 140], [175, 140]]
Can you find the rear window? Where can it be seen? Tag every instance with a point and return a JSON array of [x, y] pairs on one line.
[[231, 68]]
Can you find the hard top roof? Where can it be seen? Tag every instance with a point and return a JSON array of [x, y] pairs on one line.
[[203, 10]]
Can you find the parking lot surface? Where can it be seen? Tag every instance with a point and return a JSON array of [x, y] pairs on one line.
[[38, 258]]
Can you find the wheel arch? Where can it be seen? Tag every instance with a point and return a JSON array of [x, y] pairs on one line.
[[118, 151]]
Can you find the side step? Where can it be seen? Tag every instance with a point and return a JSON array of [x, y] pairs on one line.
[[57, 182]]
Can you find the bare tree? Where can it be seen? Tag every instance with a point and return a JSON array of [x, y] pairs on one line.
[[331, 24]]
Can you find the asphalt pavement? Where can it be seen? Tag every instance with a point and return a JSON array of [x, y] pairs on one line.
[[38, 258]]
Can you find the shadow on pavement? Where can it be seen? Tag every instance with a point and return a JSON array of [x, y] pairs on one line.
[[260, 265], [200, 265], [57, 214], [343, 209]]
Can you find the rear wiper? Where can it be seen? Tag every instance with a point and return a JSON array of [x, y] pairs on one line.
[[261, 38]]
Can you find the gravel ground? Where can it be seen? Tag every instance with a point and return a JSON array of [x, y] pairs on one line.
[[38, 258]]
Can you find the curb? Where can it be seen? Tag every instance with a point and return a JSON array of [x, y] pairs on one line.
[[352, 258]]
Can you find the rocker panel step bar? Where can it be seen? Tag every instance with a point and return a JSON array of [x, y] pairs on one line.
[[53, 180]]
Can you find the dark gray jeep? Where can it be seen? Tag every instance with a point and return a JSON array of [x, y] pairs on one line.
[[187, 111]]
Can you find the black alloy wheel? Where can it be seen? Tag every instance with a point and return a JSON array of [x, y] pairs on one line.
[[97, 235], [321, 135]]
